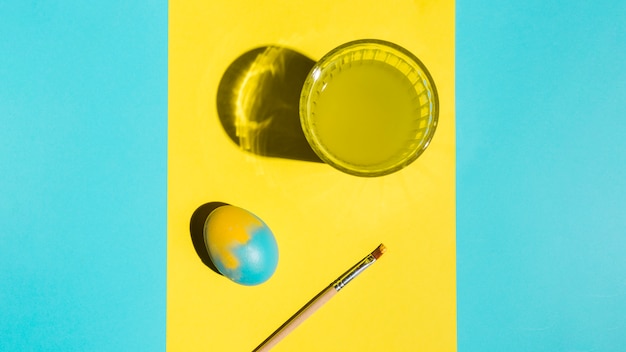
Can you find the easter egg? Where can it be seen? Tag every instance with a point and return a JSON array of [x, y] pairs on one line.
[[241, 245]]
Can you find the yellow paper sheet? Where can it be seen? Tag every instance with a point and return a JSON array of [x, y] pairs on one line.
[[324, 220]]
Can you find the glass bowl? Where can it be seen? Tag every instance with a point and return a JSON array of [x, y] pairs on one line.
[[369, 108]]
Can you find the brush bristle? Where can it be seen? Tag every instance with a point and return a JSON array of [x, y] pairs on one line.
[[379, 251]]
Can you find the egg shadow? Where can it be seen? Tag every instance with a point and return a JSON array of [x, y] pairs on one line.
[[258, 103], [196, 228]]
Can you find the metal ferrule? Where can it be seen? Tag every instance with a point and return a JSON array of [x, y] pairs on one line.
[[353, 272]]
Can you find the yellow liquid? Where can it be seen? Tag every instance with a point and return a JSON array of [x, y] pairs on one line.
[[366, 114]]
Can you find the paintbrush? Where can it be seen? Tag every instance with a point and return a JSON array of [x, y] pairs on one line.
[[320, 299]]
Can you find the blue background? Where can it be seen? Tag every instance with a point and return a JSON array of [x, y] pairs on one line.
[[541, 165], [83, 148], [541, 249]]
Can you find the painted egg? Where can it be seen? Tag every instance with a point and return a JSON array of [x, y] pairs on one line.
[[241, 245]]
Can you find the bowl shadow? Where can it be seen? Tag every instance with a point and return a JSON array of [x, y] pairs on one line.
[[258, 101]]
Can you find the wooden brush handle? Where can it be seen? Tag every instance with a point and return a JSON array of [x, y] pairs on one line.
[[297, 319]]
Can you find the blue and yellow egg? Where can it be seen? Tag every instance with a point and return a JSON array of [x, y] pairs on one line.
[[241, 245]]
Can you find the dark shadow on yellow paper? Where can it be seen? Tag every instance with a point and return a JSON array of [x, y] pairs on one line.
[[196, 227], [258, 103]]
